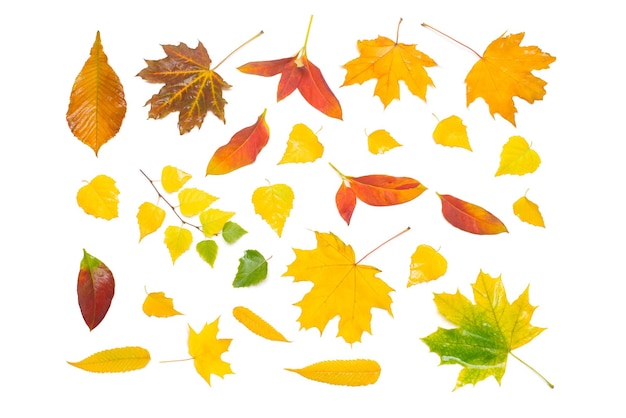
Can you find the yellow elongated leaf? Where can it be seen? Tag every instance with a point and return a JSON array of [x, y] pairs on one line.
[[273, 203], [99, 197], [193, 201], [257, 324], [206, 350], [150, 218], [115, 360], [172, 178], [517, 157], [159, 305], [302, 146], [97, 105], [528, 211], [381, 141], [213, 221], [451, 132], [178, 240], [426, 265], [342, 372]]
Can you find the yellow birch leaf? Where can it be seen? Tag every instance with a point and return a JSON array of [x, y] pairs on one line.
[[97, 106], [381, 141], [451, 132], [426, 265], [159, 305], [178, 240], [302, 146], [213, 221], [257, 324], [99, 197], [150, 218], [517, 158], [358, 372], [273, 203], [193, 201], [172, 178], [115, 360], [206, 350], [528, 211]]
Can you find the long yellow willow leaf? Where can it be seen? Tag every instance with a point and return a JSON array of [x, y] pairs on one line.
[[115, 360], [342, 372], [257, 324], [97, 106]]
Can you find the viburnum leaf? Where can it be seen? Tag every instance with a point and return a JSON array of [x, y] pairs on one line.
[[206, 350], [150, 218], [231, 232], [517, 158], [159, 305], [427, 264], [191, 88], [178, 240], [358, 372], [99, 197], [297, 72], [469, 217], [252, 269], [172, 178], [451, 132], [115, 360], [273, 203], [207, 250], [302, 146], [193, 201], [97, 105], [95, 288], [213, 221], [257, 324], [390, 62], [381, 141], [242, 149], [487, 332], [528, 211]]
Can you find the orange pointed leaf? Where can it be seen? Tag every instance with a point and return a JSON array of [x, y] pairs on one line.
[[206, 350], [469, 217], [345, 199]]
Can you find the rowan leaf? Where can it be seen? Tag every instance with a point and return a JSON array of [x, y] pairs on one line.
[[469, 217], [99, 197], [172, 178], [206, 350], [95, 288], [528, 211], [207, 250], [517, 158], [451, 132], [159, 305], [97, 105], [191, 87], [242, 149], [252, 269], [273, 203], [302, 146], [178, 240], [342, 372], [505, 71], [213, 221], [427, 264], [487, 332], [257, 324], [341, 287], [115, 360], [150, 218], [231, 232], [193, 201], [381, 141]]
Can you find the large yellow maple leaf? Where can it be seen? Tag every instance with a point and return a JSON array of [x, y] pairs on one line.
[[341, 287]]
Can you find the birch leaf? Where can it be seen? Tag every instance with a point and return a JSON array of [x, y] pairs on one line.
[[517, 158], [451, 132], [150, 218], [99, 197], [381, 141], [172, 178], [273, 203], [213, 221], [207, 250], [528, 211], [178, 240], [302, 146], [159, 305], [193, 201], [427, 264]]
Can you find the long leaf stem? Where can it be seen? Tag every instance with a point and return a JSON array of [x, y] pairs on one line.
[[390, 239], [426, 25], [306, 39], [237, 49], [533, 369], [398, 31]]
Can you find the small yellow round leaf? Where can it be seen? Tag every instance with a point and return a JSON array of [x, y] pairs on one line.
[[528, 211], [426, 265], [193, 201], [381, 141], [172, 178], [517, 158], [273, 203], [178, 240], [159, 305], [451, 132], [99, 197], [302, 146], [150, 218]]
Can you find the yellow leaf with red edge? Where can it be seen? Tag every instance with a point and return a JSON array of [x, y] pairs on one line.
[[528, 211], [517, 158], [178, 240], [273, 203], [302, 146], [97, 105], [469, 217], [99, 197], [341, 288], [504, 71], [451, 132], [213, 221], [193, 201], [360, 372], [427, 264], [381, 141], [115, 360], [257, 324], [206, 350], [172, 178], [150, 218], [159, 305]]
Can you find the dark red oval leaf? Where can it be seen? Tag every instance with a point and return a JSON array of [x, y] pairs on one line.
[[96, 287]]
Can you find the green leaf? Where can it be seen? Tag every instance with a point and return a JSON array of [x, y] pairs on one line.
[[231, 232], [207, 250], [252, 269]]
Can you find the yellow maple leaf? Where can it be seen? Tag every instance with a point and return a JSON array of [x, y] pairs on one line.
[[213, 220], [426, 264], [159, 305], [517, 158], [360, 372], [451, 132], [172, 178], [302, 146], [257, 324], [99, 197], [178, 240], [381, 141], [149, 218], [193, 201], [273, 203], [528, 211], [341, 287], [206, 350], [115, 360]]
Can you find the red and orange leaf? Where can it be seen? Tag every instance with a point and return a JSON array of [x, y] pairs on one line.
[[96, 287], [345, 199], [191, 88], [265, 68], [315, 90], [384, 190], [469, 217]]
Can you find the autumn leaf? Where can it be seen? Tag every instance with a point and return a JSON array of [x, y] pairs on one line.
[[115, 360], [207, 250], [487, 332], [193, 201], [342, 372], [273, 203], [528, 211], [95, 288], [97, 105], [172, 178], [231, 232], [390, 62], [345, 199], [206, 350], [252, 269], [192, 87], [381, 141], [257, 324], [451, 132], [469, 217], [178, 240], [159, 305], [302, 146], [150, 218], [242, 149], [517, 158], [213, 221], [297, 72], [99, 197], [427, 264]]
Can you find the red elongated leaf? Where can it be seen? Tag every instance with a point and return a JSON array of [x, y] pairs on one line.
[[242, 149], [315, 90], [384, 190], [96, 287], [346, 202], [469, 217], [265, 68], [289, 80]]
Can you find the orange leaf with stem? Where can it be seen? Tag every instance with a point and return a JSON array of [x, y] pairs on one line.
[[345, 199], [469, 217]]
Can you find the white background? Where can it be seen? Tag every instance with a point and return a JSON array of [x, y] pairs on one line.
[[573, 265]]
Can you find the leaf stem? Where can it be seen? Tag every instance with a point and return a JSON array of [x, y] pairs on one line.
[[343, 176], [237, 49], [533, 369], [306, 39], [380, 245], [398, 31], [426, 25], [176, 361]]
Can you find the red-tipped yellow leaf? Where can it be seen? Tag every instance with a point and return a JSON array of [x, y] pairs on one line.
[[469, 217], [115, 360], [342, 372], [95, 288]]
